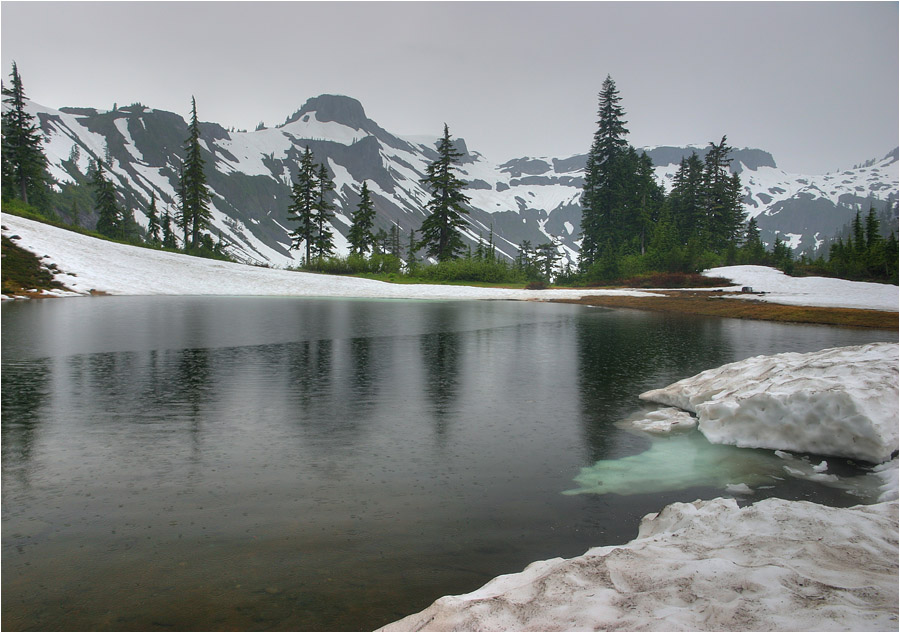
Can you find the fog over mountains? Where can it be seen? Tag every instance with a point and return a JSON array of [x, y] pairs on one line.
[[526, 198]]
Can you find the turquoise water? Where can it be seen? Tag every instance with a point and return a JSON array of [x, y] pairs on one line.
[[316, 464]]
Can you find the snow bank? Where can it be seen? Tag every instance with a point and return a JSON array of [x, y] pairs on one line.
[[707, 565], [841, 401], [91, 264], [808, 291]]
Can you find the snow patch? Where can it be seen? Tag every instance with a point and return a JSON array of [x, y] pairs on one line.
[[841, 401], [706, 565]]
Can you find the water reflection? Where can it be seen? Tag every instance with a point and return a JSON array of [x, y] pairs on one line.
[[199, 463], [441, 360], [619, 358], [25, 389]]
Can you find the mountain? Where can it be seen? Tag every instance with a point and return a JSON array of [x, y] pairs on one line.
[[527, 198]]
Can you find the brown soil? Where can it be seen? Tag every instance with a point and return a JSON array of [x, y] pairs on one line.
[[709, 304]]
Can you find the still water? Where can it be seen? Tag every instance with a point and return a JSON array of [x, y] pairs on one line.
[[176, 463]]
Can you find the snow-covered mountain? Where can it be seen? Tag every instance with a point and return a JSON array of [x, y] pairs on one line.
[[534, 199]]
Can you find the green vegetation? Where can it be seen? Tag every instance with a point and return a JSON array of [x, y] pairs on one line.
[[864, 256], [23, 272], [630, 227], [312, 210], [441, 235]]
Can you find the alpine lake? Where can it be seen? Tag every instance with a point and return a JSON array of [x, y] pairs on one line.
[[222, 463]]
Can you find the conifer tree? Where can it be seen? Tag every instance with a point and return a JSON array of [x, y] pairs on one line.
[[598, 201], [168, 238], [302, 208], [686, 199], [360, 235], [722, 191], [153, 227], [110, 220], [411, 249], [752, 250], [24, 165], [322, 214], [195, 194], [440, 231], [873, 233]]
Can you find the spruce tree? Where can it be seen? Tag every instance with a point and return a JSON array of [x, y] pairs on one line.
[[360, 235], [411, 250], [440, 231], [302, 208], [195, 194], [598, 199], [24, 166], [168, 237], [722, 192], [153, 227], [322, 214], [686, 200], [110, 220]]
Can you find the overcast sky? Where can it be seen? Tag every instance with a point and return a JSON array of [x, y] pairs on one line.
[[816, 84]]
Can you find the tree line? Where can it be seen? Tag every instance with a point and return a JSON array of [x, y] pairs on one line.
[[630, 226]]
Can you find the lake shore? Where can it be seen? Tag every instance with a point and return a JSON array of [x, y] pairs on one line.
[[707, 303]]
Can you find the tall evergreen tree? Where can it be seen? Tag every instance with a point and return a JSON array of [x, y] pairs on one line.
[[686, 199], [153, 227], [323, 211], [873, 232], [360, 235], [302, 208], [168, 238], [598, 200], [752, 250], [195, 194], [24, 165], [440, 231], [411, 249], [722, 192], [110, 219]]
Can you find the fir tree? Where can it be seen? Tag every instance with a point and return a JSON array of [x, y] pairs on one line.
[[110, 220], [24, 166], [195, 194], [722, 192], [752, 250], [168, 237], [686, 199], [322, 214], [394, 239], [153, 227], [598, 199], [360, 235], [411, 249], [440, 231], [302, 208]]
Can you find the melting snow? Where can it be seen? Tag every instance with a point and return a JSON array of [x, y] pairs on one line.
[[841, 401]]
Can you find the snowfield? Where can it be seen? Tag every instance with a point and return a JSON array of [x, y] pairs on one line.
[[808, 291], [707, 565], [89, 265]]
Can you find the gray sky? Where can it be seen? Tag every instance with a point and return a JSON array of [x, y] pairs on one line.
[[816, 84]]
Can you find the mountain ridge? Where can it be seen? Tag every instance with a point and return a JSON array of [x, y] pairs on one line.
[[532, 198]]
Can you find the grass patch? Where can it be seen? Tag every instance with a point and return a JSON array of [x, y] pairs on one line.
[[23, 273]]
